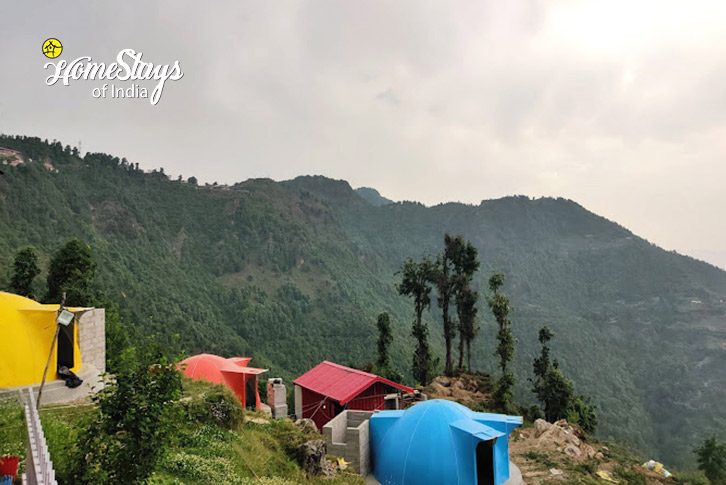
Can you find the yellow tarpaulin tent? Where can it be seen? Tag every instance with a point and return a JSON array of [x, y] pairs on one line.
[[27, 329]]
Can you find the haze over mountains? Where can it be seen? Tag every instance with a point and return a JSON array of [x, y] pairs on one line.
[[295, 272]]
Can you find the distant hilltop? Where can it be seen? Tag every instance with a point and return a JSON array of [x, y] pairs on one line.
[[373, 197]]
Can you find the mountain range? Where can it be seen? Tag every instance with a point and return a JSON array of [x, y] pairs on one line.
[[295, 272]]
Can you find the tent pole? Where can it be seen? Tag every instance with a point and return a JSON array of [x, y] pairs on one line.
[[50, 354]]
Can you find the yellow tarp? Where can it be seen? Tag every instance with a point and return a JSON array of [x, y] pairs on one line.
[[606, 475], [27, 329]]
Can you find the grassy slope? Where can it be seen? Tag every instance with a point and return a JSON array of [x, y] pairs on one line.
[[199, 452]]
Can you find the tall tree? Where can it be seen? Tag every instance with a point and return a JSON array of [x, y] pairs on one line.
[[500, 307], [466, 263], [415, 282], [711, 457], [557, 393], [445, 287], [72, 270], [384, 340], [542, 363], [25, 269], [466, 300], [454, 270]]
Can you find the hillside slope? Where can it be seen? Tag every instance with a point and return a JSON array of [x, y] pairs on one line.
[[295, 272]]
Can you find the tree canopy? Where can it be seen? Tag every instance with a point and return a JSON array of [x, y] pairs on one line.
[[72, 271], [25, 269]]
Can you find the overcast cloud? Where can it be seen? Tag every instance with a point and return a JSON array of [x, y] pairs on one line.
[[618, 105]]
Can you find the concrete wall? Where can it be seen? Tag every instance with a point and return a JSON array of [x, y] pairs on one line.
[[347, 436], [92, 338]]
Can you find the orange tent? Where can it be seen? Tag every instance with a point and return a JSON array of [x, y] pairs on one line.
[[233, 373]]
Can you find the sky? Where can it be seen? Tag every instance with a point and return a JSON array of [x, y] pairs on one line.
[[618, 105]]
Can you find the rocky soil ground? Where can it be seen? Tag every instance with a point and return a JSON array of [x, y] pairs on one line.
[[560, 453], [549, 453]]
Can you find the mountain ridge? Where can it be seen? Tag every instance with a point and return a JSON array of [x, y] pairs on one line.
[[295, 272]]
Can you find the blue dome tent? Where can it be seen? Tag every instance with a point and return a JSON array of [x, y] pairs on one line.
[[440, 442]]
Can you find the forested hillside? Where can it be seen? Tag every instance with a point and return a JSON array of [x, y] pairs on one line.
[[295, 272]]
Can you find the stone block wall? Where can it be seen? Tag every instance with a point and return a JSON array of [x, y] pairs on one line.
[[348, 436], [92, 338]]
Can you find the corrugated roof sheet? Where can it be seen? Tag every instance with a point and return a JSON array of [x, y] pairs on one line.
[[341, 383]]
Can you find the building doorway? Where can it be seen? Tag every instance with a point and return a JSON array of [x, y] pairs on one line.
[[65, 346], [485, 463], [251, 391]]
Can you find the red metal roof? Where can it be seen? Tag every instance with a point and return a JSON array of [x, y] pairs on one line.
[[341, 383]]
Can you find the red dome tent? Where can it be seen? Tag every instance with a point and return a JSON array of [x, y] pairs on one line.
[[233, 373]]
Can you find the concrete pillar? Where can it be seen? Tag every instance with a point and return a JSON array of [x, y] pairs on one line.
[[298, 402], [277, 397]]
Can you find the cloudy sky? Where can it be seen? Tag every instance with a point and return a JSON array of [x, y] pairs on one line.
[[619, 105]]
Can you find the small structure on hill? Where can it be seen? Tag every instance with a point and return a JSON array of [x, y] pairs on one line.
[[347, 436], [232, 373], [277, 398], [440, 441], [328, 389], [28, 331]]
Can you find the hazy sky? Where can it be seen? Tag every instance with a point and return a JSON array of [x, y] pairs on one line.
[[619, 105]]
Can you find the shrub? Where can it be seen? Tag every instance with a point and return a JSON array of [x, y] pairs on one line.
[[135, 416], [217, 406]]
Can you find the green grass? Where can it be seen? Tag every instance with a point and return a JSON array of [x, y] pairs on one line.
[[540, 458], [629, 476], [12, 428], [61, 426]]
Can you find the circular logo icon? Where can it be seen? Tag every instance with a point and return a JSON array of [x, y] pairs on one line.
[[52, 48]]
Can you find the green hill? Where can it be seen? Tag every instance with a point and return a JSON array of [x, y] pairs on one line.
[[294, 272], [373, 196]]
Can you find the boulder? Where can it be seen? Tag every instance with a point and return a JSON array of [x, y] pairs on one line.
[[572, 450], [589, 451], [540, 426], [439, 389], [572, 439], [306, 425], [444, 381], [312, 457]]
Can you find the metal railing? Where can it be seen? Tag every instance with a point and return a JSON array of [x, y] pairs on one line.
[[38, 467]]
